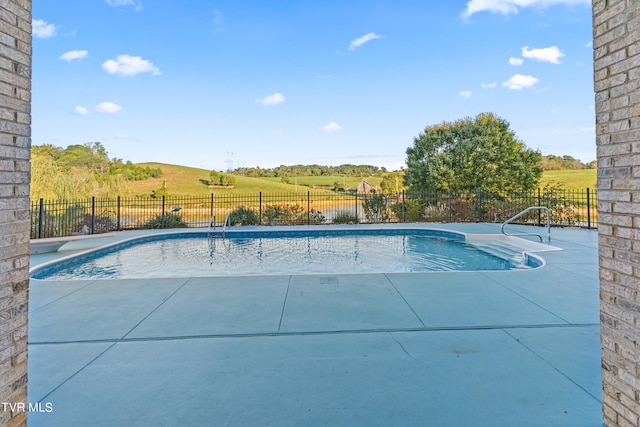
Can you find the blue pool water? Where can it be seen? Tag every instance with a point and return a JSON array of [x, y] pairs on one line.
[[280, 253]]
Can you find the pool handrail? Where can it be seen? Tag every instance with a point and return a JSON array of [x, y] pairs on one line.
[[213, 224], [531, 208], [227, 220]]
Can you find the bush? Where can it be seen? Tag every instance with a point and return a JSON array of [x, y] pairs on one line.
[[345, 217], [284, 214], [244, 216], [316, 217], [413, 210], [171, 220], [375, 208], [555, 198]]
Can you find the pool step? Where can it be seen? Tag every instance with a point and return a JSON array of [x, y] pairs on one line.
[[502, 250]]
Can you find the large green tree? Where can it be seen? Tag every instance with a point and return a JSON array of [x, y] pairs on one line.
[[469, 154]]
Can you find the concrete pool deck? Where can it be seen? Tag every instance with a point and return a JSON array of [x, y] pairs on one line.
[[504, 348]]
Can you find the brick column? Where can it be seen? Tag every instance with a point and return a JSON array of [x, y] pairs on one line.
[[616, 35], [15, 143]]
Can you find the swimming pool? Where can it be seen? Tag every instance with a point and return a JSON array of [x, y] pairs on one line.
[[247, 253]]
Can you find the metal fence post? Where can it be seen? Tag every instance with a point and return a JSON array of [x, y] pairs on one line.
[[588, 208], [449, 203], [118, 210], [308, 207], [539, 212], [357, 220], [260, 207], [211, 209], [93, 214], [40, 218], [162, 226], [404, 219], [479, 193]]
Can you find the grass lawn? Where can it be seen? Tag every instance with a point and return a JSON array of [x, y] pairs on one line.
[[328, 180], [579, 179], [184, 180]]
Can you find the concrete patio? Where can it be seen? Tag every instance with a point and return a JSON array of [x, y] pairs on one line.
[[510, 348]]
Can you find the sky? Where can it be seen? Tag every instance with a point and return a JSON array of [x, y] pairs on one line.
[[244, 83]]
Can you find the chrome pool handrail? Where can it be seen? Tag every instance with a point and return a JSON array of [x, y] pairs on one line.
[[227, 220], [531, 208]]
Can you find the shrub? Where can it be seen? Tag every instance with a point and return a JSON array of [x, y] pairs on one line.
[[284, 214], [413, 210], [345, 217], [244, 216], [555, 198], [171, 220], [375, 208], [316, 217]]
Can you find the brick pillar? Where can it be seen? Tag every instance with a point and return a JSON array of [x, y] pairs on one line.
[[616, 32], [15, 143]]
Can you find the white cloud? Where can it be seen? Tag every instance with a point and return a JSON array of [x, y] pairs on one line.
[[331, 127], [506, 7], [276, 98], [80, 110], [74, 54], [108, 107], [589, 44], [126, 65], [42, 30], [362, 40], [548, 54], [516, 61], [489, 85], [465, 94], [519, 82]]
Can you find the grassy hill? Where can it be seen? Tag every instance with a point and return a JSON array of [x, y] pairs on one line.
[[184, 180], [578, 179]]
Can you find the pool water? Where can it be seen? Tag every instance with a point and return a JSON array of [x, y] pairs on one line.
[[273, 253]]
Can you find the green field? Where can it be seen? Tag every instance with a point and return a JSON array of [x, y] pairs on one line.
[[328, 181], [579, 179], [183, 180]]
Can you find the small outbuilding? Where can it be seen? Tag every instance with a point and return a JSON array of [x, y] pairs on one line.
[[365, 187]]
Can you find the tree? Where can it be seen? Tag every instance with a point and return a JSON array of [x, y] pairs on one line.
[[392, 183], [471, 153], [221, 179]]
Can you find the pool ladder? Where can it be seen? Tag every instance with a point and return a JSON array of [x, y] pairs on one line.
[[532, 208], [212, 225]]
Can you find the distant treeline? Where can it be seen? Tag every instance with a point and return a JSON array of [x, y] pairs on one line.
[[551, 163], [78, 170], [310, 170]]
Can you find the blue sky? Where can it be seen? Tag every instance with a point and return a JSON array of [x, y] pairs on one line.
[[225, 84]]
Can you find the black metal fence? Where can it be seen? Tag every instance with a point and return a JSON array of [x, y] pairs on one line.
[[57, 218]]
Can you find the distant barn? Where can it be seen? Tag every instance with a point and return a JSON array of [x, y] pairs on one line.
[[365, 187]]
